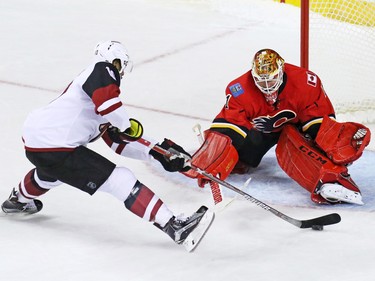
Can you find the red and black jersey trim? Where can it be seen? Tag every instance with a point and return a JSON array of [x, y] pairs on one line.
[[103, 85], [119, 146], [103, 75], [313, 126], [49, 149], [237, 138]]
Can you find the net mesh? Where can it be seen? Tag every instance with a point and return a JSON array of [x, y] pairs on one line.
[[342, 53]]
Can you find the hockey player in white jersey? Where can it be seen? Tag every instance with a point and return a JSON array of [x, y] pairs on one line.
[[55, 139]]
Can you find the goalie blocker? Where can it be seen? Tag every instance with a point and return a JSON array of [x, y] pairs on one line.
[[216, 156], [322, 170]]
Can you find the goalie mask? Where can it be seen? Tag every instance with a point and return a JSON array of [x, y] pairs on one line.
[[267, 71], [114, 52]]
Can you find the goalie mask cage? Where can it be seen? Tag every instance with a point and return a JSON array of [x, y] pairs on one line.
[[338, 44]]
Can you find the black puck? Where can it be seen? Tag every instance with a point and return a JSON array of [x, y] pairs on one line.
[[317, 227]]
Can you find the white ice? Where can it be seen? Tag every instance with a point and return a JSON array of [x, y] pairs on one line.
[[185, 53]]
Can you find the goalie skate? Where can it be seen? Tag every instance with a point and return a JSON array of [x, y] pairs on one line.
[[13, 206], [336, 193]]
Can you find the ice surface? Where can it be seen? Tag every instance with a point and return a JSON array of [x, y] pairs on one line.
[[185, 53]]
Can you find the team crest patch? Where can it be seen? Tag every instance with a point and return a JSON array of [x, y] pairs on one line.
[[236, 90]]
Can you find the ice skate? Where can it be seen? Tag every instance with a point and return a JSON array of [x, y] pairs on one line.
[[12, 205], [189, 230], [336, 193]]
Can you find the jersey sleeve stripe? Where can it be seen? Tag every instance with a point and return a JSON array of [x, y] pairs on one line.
[[312, 122], [118, 148], [109, 106], [229, 126]]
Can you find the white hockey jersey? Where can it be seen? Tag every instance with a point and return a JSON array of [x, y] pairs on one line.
[[80, 113]]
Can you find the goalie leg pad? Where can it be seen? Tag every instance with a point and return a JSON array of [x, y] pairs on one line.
[[308, 166], [342, 142], [298, 159], [216, 156]]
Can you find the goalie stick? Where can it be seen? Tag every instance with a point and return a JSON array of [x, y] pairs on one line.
[[329, 219]]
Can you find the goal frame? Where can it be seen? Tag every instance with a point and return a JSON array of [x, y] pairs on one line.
[[304, 44]]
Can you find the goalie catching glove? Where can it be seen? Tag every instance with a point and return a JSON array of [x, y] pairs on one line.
[[177, 162], [133, 133], [342, 142]]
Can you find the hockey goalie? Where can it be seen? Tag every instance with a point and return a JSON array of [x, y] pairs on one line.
[[276, 103]]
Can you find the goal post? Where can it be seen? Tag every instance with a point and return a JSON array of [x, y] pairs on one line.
[[304, 52]]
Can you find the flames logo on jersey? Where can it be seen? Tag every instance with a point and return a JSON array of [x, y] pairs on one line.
[[268, 124]]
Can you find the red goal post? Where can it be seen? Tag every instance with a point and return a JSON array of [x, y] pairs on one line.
[[338, 43]]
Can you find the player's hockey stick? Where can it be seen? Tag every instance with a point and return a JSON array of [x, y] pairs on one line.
[[315, 223]]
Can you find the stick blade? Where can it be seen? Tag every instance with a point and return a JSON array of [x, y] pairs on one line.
[[324, 220]]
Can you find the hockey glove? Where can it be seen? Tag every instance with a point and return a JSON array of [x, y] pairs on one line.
[[176, 163], [342, 142], [133, 133]]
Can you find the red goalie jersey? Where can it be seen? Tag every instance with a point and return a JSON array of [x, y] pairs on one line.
[[279, 103], [301, 101]]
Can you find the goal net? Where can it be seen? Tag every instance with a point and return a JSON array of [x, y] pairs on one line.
[[342, 53]]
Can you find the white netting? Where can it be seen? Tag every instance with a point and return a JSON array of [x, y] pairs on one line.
[[342, 45], [342, 53]]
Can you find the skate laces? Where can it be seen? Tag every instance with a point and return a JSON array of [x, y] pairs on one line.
[[181, 219]]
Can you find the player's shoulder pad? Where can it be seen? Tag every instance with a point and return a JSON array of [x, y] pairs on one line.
[[102, 75], [107, 70]]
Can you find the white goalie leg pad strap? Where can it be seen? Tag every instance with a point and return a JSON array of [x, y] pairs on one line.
[[334, 192]]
